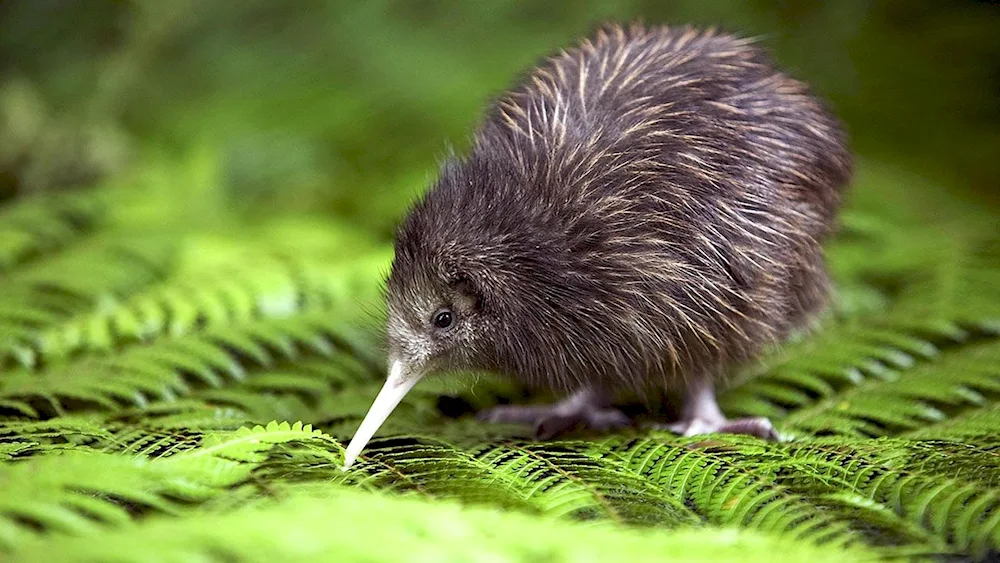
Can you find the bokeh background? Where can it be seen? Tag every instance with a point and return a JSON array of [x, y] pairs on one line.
[[333, 107]]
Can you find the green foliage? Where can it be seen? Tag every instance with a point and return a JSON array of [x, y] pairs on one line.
[[138, 364], [310, 526], [157, 326]]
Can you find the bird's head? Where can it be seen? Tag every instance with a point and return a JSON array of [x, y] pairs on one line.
[[479, 280]]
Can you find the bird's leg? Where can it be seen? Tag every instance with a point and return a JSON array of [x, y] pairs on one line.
[[586, 407], [701, 415]]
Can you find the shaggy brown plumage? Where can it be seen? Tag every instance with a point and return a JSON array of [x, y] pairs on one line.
[[644, 210]]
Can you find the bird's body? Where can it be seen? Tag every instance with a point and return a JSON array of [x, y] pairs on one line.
[[643, 211]]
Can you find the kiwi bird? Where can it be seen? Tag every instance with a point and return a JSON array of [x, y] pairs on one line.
[[643, 211]]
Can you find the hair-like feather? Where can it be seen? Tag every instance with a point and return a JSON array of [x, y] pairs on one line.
[[644, 208]]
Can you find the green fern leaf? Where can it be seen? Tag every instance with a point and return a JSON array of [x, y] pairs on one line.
[[299, 528]]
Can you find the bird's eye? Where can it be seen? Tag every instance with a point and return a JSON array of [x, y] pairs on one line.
[[444, 319]]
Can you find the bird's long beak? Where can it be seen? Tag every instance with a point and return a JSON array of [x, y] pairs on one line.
[[401, 379]]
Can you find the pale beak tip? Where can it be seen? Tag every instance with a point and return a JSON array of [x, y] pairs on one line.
[[395, 388]]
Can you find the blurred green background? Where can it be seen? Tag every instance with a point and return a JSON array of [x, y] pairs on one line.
[[326, 107]]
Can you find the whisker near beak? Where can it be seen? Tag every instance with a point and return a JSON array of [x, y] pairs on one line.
[[397, 385]]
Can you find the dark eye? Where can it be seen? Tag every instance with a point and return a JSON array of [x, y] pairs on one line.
[[444, 319]]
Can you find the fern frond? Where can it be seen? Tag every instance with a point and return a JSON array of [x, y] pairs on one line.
[[78, 492], [730, 483], [69, 432], [40, 225], [910, 399], [156, 431], [74, 493], [853, 356], [8, 450], [963, 515], [95, 276], [841, 357], [976, 427], [170, 368], [554, 480], [380, 528], [962, 287], [221, 285]]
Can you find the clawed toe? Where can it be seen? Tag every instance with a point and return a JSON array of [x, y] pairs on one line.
[[551, 426], [607, 419], [553, 420], [555, 424], [753, 426], [512, 414]]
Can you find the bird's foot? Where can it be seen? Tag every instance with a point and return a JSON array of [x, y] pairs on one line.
[[579, 410], [754, 426]]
